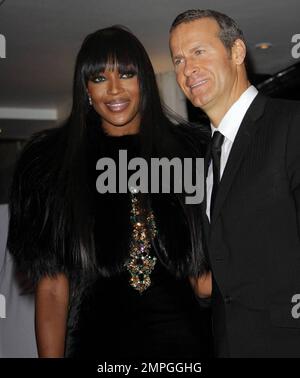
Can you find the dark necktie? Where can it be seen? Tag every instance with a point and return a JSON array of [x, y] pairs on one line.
[[216, 144]]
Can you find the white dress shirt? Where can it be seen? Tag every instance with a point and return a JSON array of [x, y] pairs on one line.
[[229, 126]]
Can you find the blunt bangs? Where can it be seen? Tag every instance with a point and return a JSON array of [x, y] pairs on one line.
[[109, 51]]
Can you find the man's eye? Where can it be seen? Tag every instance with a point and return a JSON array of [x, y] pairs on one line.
[[199, 52], [98, 79], [177, 62], [127, 75]]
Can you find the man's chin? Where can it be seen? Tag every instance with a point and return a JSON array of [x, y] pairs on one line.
[[198, 103]]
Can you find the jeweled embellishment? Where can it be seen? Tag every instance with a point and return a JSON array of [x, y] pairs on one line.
[[141, 264]]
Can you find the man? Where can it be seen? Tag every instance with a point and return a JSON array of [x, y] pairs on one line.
[[253, 190]]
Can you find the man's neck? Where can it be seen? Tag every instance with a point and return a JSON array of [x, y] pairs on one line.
[[216, 114]]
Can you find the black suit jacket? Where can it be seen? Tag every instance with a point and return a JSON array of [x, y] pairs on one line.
[[254, 236]]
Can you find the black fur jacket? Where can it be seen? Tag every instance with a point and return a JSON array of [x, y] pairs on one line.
[[42, 245]]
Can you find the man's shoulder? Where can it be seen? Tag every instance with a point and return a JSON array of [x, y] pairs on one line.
[[282, 115], [283, 105]]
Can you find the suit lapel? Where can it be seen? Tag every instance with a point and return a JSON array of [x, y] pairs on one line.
[[207, 159], [205, 221], [204, 203], [246, 131]]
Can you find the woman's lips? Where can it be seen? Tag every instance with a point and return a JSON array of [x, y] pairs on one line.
[[117, 105]]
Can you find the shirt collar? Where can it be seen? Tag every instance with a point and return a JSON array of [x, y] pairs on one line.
[[232, 120]]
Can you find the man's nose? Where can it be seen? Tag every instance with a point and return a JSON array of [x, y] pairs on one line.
[[190, 67]]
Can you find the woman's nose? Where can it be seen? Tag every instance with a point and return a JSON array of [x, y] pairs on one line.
[[114, 86]]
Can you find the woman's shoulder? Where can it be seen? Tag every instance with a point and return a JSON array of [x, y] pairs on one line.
[[199, 131], [42, 144], [39, 153], [192, 137]]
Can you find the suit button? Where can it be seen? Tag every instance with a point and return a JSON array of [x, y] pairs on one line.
[[227, 299]]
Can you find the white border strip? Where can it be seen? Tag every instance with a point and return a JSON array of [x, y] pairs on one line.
[[27, 113]]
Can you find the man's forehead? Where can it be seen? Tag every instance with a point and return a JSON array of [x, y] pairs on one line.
[[194, 32], [203, 25]]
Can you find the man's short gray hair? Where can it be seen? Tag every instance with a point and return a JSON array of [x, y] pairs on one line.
[[229, 29]]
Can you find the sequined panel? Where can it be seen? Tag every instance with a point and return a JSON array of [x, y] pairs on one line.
[[141, 264]]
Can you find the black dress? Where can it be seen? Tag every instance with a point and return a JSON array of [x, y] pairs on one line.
[[108, 318], [113, 320], [164, 322]]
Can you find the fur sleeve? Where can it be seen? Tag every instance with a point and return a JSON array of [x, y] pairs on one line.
[[31, 237]]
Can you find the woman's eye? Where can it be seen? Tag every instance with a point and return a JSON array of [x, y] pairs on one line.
[[127, 75], [98, 79]]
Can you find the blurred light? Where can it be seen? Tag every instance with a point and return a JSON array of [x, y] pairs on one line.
[[263, 45]]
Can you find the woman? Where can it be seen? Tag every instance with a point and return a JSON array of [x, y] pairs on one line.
[[110, 270]]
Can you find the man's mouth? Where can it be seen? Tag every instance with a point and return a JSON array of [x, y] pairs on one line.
[[198, 83]]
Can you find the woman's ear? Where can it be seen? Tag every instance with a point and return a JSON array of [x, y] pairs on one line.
[[89, 97]]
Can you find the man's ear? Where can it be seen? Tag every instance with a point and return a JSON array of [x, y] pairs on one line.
[[238, 51]]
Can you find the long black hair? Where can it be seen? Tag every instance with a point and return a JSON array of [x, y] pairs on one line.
[[51, 222]]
